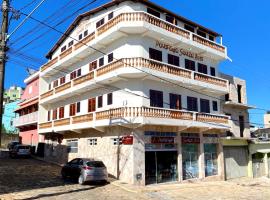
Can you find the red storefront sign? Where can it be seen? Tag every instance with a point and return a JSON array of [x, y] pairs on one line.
[[162, 140], [127, 140], [190, 140]]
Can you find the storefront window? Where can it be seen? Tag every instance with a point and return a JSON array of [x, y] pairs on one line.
[[190, 161], [210, 159]]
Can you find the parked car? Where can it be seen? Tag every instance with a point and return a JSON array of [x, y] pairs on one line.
[[85, 170], [12, 144], [20, 151]]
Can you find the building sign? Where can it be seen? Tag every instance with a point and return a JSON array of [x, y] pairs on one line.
[[190, 140], [127, 140], [162, 140], [180, 51]]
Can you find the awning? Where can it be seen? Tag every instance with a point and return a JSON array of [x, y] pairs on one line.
[[26, 104], [263, 150]]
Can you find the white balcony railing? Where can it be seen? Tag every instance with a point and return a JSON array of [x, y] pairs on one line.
[[28, 119]]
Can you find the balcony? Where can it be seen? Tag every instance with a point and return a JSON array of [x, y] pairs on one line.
[[29, 119], [138, 115], [140, 23], [139, 68]]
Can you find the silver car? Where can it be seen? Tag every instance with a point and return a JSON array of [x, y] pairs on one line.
[[85, 170], [20, 151]]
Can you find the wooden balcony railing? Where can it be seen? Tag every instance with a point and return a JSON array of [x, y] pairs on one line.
[[83, 79], [63, 87], [66, 53], [46, 94], [82, 118], [210, 79], [85, 40], [49, 64], [62, 122], [45, 125], [202, 117], [208, 43], [141, 16]]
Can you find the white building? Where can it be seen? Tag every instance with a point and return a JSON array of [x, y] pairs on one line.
[[138, 87]]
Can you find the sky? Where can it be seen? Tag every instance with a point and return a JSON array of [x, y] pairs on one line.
[[244, 25]]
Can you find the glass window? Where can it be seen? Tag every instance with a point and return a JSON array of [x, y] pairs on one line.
[[173, 60], [85, 33], [211, 37], [210, 159], [201, 33], [205, 105], [100, 101], [80, 36], [92, 141], [109, 99], [72, 146], [212, 71], [156, 98], [192, 104], [110, 57], [202, 68], [49, 116], [190, 156], [215, 106], [78, 107], [55, 83], [189, 28], [153, 12], [189, 64], [101, 62], [70, 43], [175, 101], [155, 54], [79, 72], [110, 16], [100, 23], [171, 19], [63, 48]]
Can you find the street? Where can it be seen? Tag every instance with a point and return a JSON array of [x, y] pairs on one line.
[[33, 179]]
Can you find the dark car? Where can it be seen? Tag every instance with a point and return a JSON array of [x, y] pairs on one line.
[[85, 170], [20, 151], [12, 144]]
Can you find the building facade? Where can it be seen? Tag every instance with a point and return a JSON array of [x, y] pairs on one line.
[[12, 94], [139, 90], [27, 112], [9, 116]]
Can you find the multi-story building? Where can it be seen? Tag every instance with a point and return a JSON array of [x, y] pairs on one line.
[[266, 119], [136, 86], [9, 116], [27, 117], [12, 94]]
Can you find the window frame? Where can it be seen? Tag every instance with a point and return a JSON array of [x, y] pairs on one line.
[[100, 101], [190, 104], [155, 54], [156, 98], [110, 99]]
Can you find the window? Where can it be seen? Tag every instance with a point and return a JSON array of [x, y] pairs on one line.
[[241, 125], [202, 68], [175, 101], [85, 33], [227, 97], [212, 71], [49, 116], [101, 62], [61, 112], [63, 48], [79, 72], [156, 98], [70, 43], [109, 99], [211, 37], [171, 19], [201, 33], [192, 104], [117, 141], [173, 60], [189, 28], [55, 114], [215, 106], [205, 105], [153, 12], [210, 159], [62, 80], [100, 23], [55, 83], [239, 89], [110, 57], [72, 109], [100, 101], [155, 54], [72, 146], [189, 64], [78, 107], [73, 75], [93, 65], [80, 36], [50, 86], [110, 16], [92, 105], [92, 141]]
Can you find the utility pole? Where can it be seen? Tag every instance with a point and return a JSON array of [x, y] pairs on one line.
[[3, 50]]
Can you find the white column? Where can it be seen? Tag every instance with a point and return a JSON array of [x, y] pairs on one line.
[[201, 158], [179, 157]]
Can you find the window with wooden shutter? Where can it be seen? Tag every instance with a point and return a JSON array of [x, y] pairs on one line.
[[92, 105], [73, 75], [72, 109], [93, 65], [175, 101], [62, 80], [61, 112], [49, 116], [55, 83], [55, 114]]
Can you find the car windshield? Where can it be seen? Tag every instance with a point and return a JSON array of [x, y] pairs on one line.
[[95, 164], [23, 147]]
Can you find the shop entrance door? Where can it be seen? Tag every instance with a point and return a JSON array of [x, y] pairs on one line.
[[160, 166]]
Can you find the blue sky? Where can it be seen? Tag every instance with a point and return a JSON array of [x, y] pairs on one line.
[[244, 25]]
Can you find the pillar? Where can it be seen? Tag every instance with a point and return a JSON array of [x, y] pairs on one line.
[[201, 158], [179, 157], [265, 160], [221, 163], [250, 168]]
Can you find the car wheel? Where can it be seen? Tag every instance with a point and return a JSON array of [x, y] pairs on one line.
[[81, 180]]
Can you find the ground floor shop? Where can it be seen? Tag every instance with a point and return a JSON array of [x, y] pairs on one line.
[[147, 155]]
